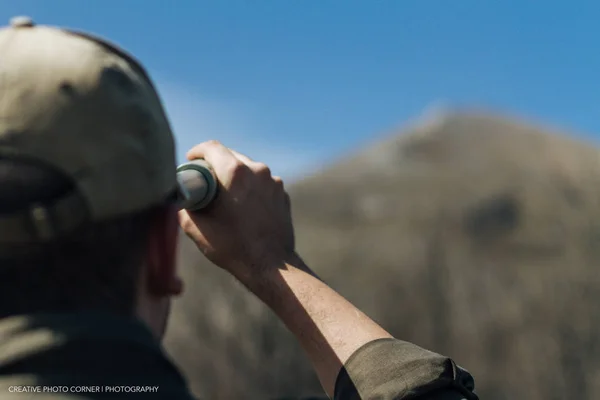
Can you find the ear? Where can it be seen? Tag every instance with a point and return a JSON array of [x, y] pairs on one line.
[[161, 254]]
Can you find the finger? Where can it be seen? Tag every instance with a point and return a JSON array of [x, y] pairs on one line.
[[258, 167], [211, 150], [185, 221], [242, 157], [225, 164]]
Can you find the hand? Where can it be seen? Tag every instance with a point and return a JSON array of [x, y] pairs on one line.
[[247, 230], [248, 227]]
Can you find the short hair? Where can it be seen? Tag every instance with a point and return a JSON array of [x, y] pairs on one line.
[[95, 267]]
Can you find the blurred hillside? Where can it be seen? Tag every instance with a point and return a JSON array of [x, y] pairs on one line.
[[471, 234]]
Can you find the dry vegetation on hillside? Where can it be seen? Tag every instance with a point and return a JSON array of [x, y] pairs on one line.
[[472, 235]]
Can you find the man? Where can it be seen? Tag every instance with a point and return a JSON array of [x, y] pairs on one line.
[[89, 231]]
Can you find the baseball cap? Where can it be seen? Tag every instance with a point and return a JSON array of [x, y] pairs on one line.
[[83, 106]]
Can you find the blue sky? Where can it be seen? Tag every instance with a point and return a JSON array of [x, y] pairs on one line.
[[297, 83]]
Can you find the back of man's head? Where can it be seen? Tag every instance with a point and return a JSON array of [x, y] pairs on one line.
[[86, 156]]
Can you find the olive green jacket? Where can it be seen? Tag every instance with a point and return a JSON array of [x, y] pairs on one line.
[[97, 356]]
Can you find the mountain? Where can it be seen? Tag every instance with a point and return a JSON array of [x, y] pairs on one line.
[[470, 233]]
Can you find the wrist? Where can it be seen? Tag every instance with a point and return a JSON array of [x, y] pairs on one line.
[[267, 274]]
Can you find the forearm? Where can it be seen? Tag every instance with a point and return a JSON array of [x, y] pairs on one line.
[[329, 328]]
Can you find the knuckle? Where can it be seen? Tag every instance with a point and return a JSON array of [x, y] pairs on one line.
[[233, 166], [278, 182], [202, 149], [262, 169], [212, 143], [236, 168]]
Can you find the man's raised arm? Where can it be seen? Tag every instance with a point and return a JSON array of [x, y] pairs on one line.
[[248, 232]]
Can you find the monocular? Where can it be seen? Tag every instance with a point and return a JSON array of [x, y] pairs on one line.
[[197, 185]]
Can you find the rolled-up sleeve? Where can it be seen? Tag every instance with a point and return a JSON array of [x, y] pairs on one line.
[[387, 369]]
